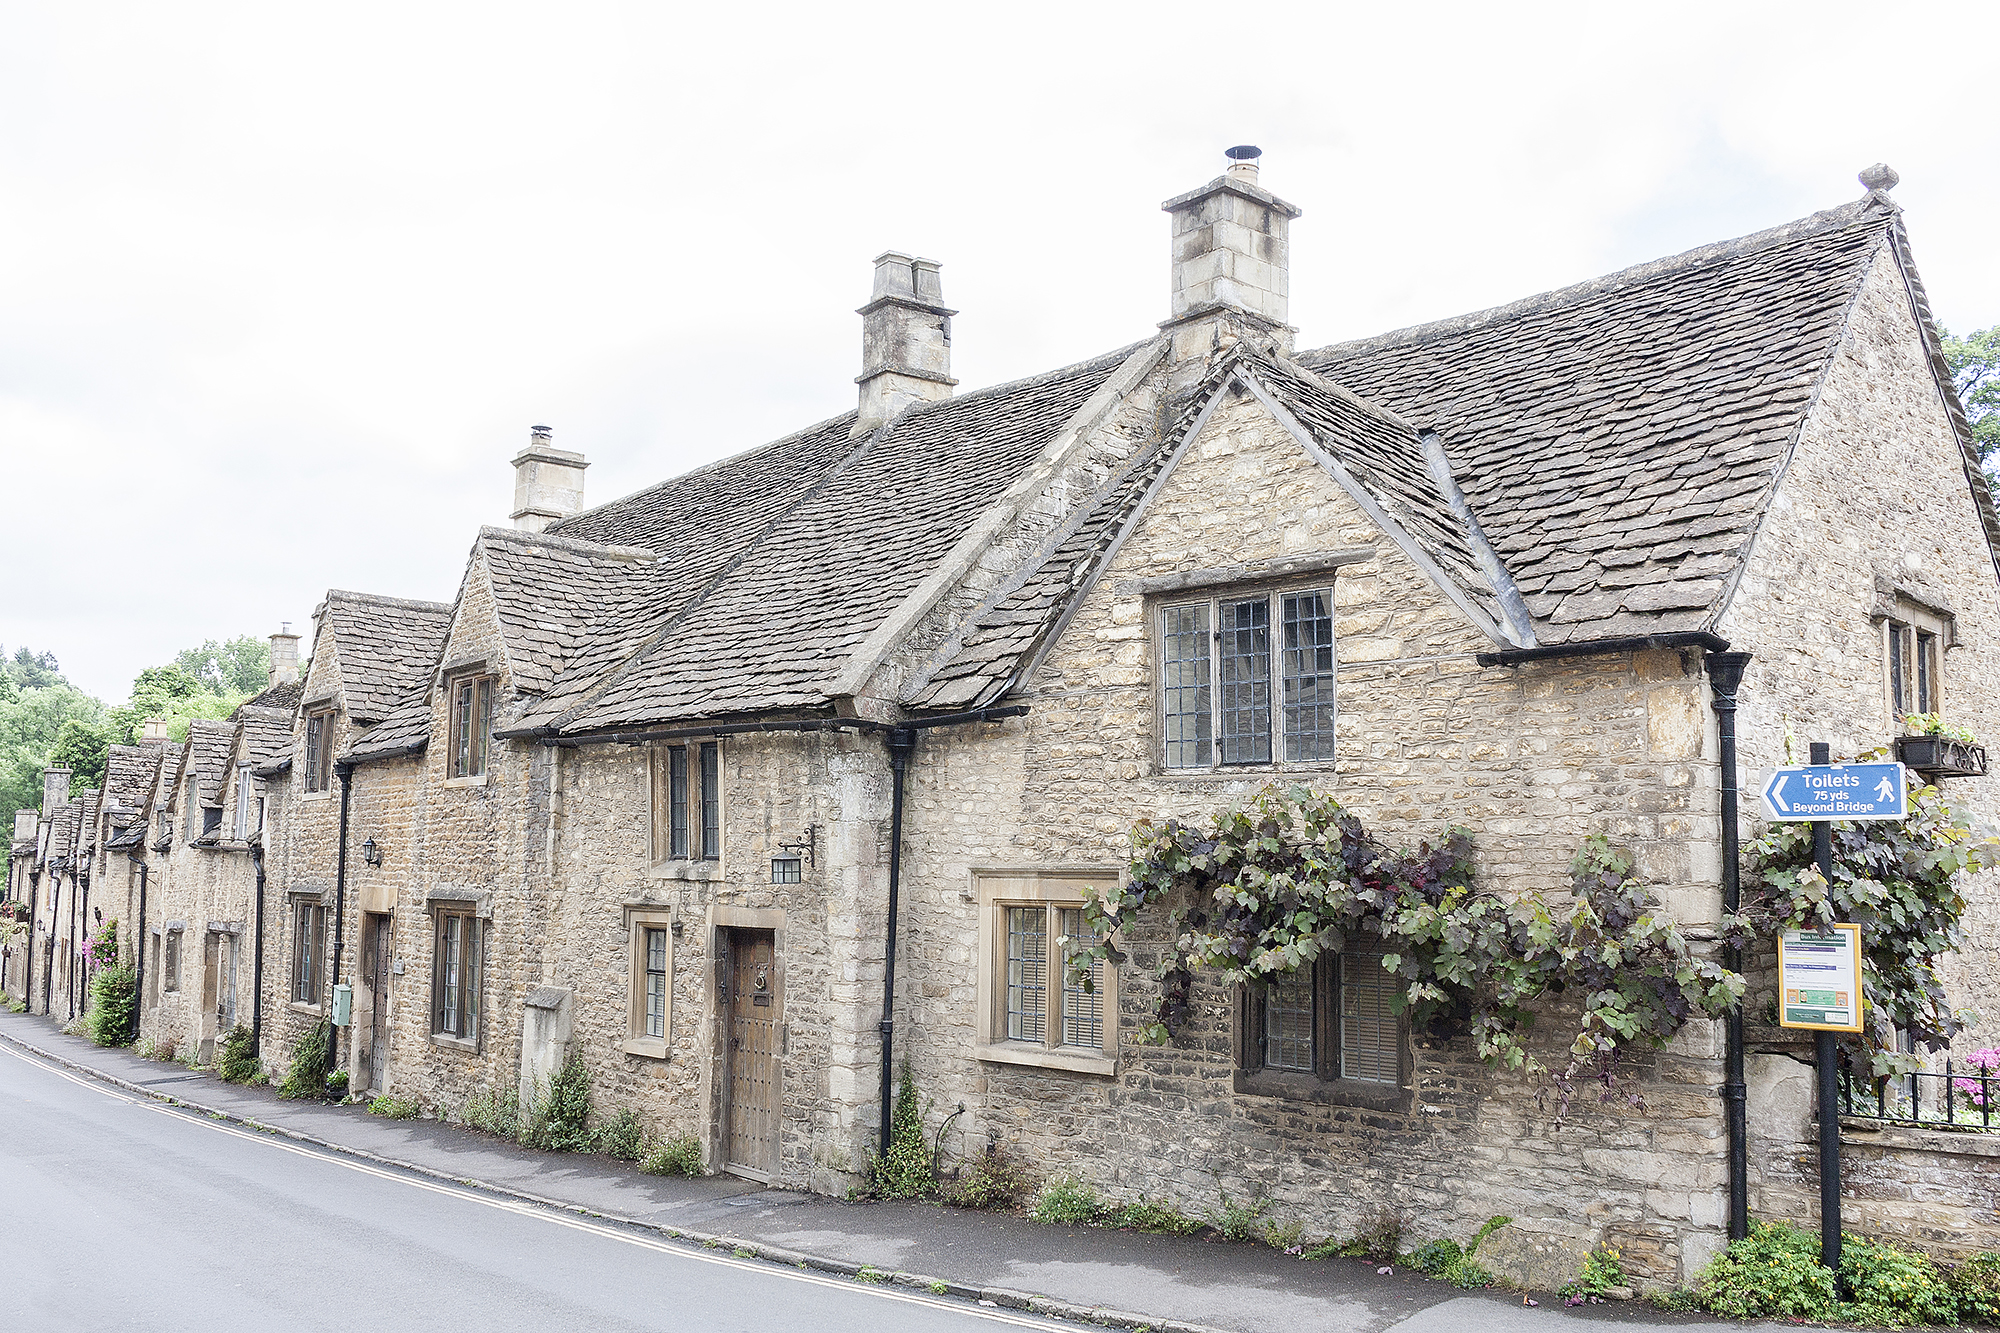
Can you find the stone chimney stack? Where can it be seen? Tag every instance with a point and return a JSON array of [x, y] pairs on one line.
[[548, 483], [1231, 262], [153, 731], [55, 789], [24, 823], [905, 340], [284, 656]]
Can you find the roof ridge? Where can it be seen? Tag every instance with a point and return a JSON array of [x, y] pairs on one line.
[[580, 545], [382, 599], [1117, 357], [1635, 275]]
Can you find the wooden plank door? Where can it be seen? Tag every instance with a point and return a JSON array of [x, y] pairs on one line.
[[375, 957], [752, 1009]]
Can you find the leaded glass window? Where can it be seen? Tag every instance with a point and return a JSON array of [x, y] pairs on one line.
[[656, 983], [1230, 695], [1027, 973], [1082, 1005], [1288, 1023]]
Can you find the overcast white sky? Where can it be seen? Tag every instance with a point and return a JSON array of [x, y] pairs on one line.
[[282, 289]]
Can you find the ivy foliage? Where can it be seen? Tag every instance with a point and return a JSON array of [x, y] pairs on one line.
[[1901, 882], [1289, 874]]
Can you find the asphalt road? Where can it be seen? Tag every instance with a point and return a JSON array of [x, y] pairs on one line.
[[118, 1212]]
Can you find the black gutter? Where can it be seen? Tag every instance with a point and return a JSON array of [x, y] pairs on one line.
[[1725, 679], [1631, 643], [345, 772], [901, 742], [257, 966]]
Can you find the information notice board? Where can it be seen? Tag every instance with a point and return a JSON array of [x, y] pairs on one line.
[[1819, 978]]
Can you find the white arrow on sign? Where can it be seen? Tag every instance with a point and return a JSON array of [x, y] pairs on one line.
[[1778, 790]]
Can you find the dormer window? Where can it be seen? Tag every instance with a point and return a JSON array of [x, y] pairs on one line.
[[319, 750], [243, 826], [471, 725]]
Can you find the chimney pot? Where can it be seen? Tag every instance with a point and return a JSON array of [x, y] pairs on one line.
[[24, 823], [154, 731], [548, 483], [905, 340]]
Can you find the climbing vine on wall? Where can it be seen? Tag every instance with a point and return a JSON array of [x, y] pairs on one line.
[[1271, 884], [1903, 884]]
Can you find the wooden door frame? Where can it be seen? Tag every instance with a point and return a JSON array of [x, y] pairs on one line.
[[723, 925], [377, 990]]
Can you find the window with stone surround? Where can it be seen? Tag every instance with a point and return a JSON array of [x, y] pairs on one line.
[[1031, 1011], [649, 1019], [471, 726], [243, 827], [458, 962], [1327, 1032], [319, 750], [308, 951], [687, 802], [1914, 637], [1246, 677]]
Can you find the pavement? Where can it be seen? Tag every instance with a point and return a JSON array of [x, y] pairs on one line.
[[989, 1261]]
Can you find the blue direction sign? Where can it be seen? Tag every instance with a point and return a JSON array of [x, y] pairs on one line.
[[1838, 791]]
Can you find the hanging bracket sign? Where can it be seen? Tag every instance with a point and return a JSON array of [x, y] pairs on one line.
[[1819, 979]]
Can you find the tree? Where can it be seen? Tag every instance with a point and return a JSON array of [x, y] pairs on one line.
[[1975, 373], [30, 726], [82, 746], [31, 670], [176, 696], [240, 666]]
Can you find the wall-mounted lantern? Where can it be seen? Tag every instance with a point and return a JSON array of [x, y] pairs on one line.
[[371, 853]]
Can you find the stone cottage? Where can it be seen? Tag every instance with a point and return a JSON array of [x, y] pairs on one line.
[[757, 783]]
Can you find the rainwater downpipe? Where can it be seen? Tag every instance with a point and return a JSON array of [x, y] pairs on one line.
[[345, 772], [902, 740], [139, 945], [257, 963], [1725, 678], [34, 902]]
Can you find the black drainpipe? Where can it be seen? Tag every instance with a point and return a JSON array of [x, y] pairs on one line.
[[257, 966], [82, 1000], [1725, 678], [901, 741], [346, 775], [28, 982], [139, 943], [69, 986]]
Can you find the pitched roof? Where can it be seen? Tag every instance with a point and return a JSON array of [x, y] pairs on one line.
[[779, 620], [129, 772], [1618, 439], [385, 646], [207, 757], [552, 594], [262, 733], [62, 830], [285, 695]]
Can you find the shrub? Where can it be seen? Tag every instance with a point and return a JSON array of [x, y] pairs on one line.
[[395, 1108], [568, 1124], [1891, 1285], [495, 1113], [238, 1062], [1435, 1256], [1976, 1283], [905, 1170], [336, 1084], [308, 1074], [114, 1006], [1158, 1218], [995, 1180], [677, 1156], [1067, 1201], [623, 1136], [1288, 1236], [1775, 1270], [1238, 1221], [1602, 1270], [1381, 1241]]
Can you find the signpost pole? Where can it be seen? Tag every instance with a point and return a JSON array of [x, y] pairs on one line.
[[1829, 1089]]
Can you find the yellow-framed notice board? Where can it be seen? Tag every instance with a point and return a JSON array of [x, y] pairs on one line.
[[1819, 978]]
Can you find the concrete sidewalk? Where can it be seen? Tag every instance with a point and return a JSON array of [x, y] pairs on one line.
[[1118, 1278]]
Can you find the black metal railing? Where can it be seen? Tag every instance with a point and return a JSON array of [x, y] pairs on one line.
[[1960, 1097]]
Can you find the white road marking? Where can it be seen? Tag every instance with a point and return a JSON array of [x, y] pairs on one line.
[[539, 1212]]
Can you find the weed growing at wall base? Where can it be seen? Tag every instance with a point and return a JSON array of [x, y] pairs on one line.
[[238, 1061]]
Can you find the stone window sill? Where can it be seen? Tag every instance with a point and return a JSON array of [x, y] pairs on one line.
[[651, 1048], [476, 780], [696, 870], [324, 793], [301, 1007], [465, 1045], [1075, 1059], [1244, 772], [1334, 1092]]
